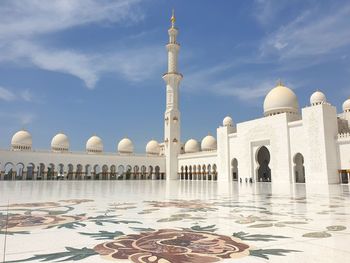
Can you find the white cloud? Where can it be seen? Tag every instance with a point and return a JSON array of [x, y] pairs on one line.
[[135, 64], [20, 18], [18, 118], [25, 118], [266, 11], [313, 33], [26, 95], [25, 23], [6, 95], [241, 86]]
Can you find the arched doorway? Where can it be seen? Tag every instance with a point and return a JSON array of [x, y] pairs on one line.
[[30, 171], [87, 172], [209, 172], [96, 172], [199, 172], [194, 172], [121, 172], [143, 172], [136, 172], [41, 172], [157, 172], [79, 172], [51, 172], [105, 174], [181, 173], [128, 173], [215, 173], [150, 172], [9, 171], [299, 169], [113, 170], [20, 171], [204, 174], [70, 173], [60, 173], [263, 159], [234, 169]]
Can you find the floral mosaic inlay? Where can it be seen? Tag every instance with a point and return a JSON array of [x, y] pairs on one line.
[[148, 230], [172, 245]]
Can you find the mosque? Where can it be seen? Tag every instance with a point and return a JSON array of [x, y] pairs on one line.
[[287, 145]]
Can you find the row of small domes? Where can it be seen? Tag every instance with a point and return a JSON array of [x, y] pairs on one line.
[[208, 144], [283, 99], [22, 140]]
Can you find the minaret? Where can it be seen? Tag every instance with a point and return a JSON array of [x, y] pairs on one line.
[[172, 114]]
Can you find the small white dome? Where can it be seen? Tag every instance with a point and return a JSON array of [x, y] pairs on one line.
[[21, 140], [317, 98], [191, 146], [279, 100], [94, 145], [153, 147], [346, 105], [60, 143], [208, 143], [125, 146], [228, 122]]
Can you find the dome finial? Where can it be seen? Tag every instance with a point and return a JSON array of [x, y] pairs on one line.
[[173, 19], [279, 82]]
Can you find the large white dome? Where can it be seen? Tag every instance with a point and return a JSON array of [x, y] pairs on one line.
[[60, 143], [94, 145], [228, 122], [279, 100], [346, 105], [208, 143], [21, 140], [125, 146], [191, 146], [152, 147], [317, 97]]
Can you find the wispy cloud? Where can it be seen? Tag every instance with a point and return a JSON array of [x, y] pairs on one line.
[[304, 40], [26, 95], [25, 118], [311, 34], [23, 95], [215, 80], [266, 11], [24, 25], [20, 18], [6, 95], [134, 64], [18, 118]]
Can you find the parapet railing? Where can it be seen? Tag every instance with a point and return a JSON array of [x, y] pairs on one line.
[[85, 153], [343, 136]]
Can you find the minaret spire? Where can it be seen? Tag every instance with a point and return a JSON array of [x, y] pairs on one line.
[[172, 122], [173, 19]]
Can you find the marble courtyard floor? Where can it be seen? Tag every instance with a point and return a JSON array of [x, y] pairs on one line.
[[158, 221]]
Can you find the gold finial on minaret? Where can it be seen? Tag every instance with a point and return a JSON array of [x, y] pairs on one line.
[[173, 19]]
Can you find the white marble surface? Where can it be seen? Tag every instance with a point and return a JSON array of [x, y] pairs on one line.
[[312, 223]]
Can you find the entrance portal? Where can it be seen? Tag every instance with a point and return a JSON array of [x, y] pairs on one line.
[[299, 169], [264, 171], [234, 169]]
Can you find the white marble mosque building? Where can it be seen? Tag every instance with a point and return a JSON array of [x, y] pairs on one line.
[[287, 145]]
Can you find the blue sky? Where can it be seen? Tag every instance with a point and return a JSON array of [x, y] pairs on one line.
[[89, 67]]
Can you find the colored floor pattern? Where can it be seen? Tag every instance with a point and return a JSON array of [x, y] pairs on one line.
[[178, 222]]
